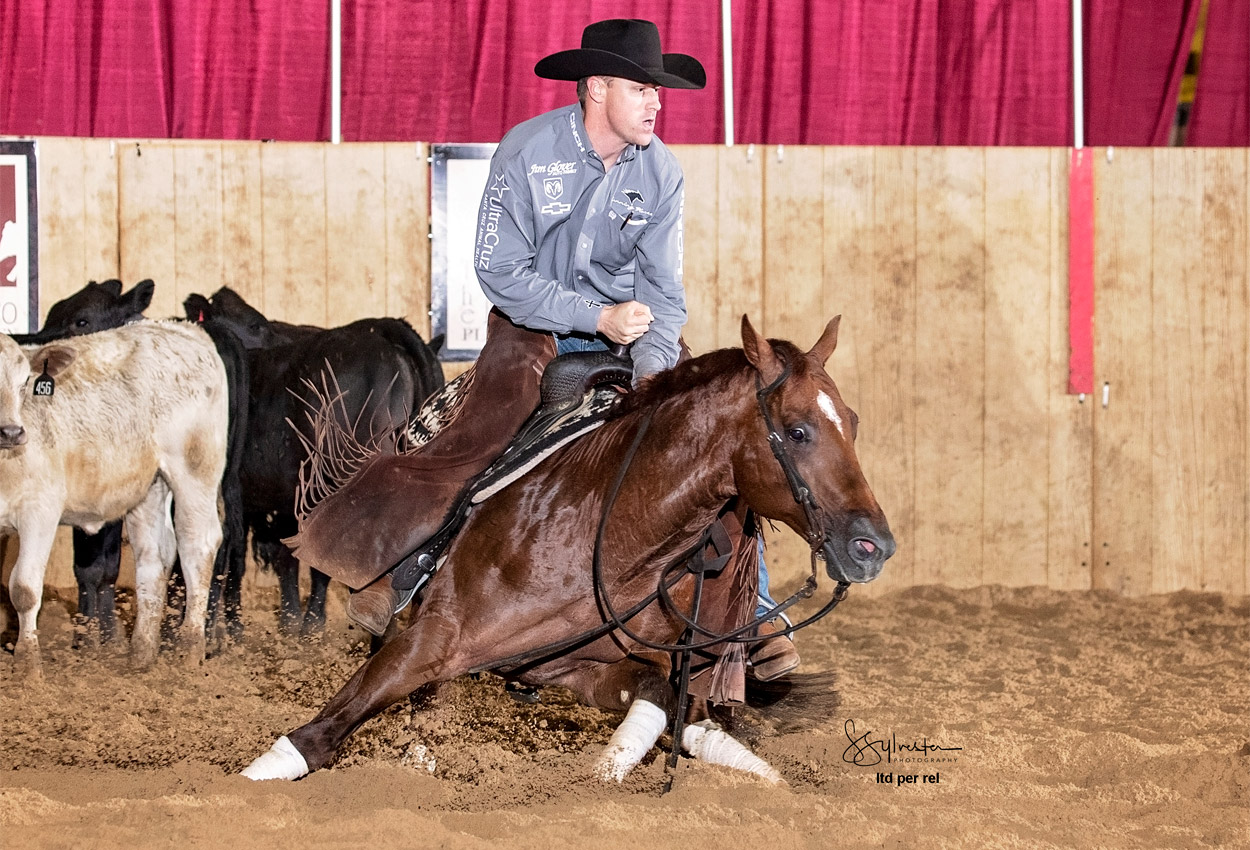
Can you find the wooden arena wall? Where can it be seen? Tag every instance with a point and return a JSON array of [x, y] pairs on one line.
[[949, 267]]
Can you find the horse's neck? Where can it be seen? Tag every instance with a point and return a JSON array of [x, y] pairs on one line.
[[684, 469]]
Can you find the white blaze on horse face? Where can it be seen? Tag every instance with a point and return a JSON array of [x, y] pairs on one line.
[[826, 407]]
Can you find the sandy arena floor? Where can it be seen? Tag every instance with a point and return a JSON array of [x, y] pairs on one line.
[[1081, 720]]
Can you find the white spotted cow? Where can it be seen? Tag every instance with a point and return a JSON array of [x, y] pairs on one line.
[[135, 415]]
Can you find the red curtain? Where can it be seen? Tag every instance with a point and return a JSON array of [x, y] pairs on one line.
[[463, 71], [977, 72], [158, 69], [1135, 56], [1221, 116]]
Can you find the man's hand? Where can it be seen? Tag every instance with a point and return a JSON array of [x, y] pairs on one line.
[[624, 323]]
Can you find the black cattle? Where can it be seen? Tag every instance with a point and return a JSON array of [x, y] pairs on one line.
[[97, 557], [379, 370]]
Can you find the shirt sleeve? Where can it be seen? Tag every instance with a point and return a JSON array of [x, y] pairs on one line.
[[658, 284], [504, 258]]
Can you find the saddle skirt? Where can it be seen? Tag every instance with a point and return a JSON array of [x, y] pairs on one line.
[[570, 410]]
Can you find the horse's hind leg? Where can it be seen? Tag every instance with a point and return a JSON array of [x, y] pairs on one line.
[[414, 658]]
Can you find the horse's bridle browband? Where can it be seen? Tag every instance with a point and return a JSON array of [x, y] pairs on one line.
[[614, 620]]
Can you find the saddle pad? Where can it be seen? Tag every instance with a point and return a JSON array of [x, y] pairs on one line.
[[546, 431]]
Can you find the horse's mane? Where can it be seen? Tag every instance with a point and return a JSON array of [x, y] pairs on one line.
[[706, 370]]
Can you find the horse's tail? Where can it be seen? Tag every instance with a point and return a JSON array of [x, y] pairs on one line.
[[795, 703]]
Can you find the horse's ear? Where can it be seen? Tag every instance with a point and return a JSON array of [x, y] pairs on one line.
[[828, 341], [760, 352]]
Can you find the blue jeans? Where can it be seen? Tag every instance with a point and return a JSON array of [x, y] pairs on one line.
[[573, 342], [764, 601]]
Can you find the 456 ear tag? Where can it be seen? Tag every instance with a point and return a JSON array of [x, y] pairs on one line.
[[44, 385]]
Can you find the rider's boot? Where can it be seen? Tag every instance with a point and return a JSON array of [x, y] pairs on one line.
[[373, 605], [774, 657]]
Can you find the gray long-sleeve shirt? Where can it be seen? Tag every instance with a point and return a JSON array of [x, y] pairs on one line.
[[558, 239]]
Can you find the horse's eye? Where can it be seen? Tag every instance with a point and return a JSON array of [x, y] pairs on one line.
[[797, 435], [81, 323]]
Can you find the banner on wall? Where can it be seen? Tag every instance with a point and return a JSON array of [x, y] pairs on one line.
[[458, 307], [19, 238]]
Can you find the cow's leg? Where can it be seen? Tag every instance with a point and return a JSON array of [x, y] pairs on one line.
[[97, 562], [36, 535], [149, 529], [198, 535], [315, 611], [415, 657], [290, 611]]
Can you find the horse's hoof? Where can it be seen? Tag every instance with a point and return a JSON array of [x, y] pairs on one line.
[[522, 693], [282, 761], [707, 742]]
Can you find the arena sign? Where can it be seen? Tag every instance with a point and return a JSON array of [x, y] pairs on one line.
[[19, 238], [458, 307]]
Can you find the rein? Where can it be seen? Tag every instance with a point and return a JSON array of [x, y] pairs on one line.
[[672, 574]]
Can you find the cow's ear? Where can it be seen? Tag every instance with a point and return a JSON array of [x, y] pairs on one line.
[[197, 307], [140, 296], [113, 286], [56, 356]]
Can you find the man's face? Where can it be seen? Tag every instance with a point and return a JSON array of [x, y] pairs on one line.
[[631, 108]]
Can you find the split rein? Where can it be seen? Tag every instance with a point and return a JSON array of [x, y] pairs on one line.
[[691, 562]]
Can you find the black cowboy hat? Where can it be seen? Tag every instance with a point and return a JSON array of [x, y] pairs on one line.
[[624, 48]]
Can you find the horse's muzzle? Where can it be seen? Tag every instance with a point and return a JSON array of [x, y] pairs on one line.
[[858, 553]]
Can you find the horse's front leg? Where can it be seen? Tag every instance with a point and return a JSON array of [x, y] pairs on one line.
[[415, 657], [645, 689]]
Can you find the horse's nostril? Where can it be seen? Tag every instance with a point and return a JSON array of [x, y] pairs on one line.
[[864, 548]]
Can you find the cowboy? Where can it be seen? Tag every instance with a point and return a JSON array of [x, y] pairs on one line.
[[579, 243]]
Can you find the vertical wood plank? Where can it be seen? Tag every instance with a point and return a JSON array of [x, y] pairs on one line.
[[147, 212], [62, 220], [793, 283], [1018, 207], [740, 259], [1069, 525], [1177, 290], [1224, 475], [293, 205], [793, 244], [849, 265], [950, 365], [887, 357], [1123, 360], [100, 197], [198, 223], [700, 164], [355, 231], [408, 234], [242, 222]]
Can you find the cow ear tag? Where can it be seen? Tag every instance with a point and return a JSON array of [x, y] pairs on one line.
[[44, 385]]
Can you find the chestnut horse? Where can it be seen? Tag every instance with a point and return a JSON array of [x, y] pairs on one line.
[[518, 575]]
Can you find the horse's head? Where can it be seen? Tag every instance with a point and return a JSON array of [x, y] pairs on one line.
[[813, 433]]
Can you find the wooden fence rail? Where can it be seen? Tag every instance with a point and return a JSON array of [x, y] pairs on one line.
[[949, 266]]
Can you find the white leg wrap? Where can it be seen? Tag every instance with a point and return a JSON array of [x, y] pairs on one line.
[[709, 742], [636, 735], [282, 761]]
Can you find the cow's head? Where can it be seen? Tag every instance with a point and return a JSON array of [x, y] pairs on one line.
[[18, 370], [227, 309], [95, 307]]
